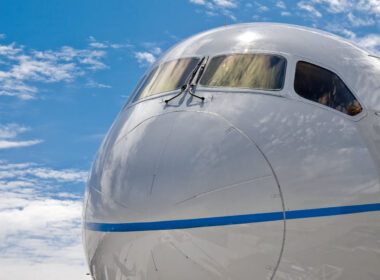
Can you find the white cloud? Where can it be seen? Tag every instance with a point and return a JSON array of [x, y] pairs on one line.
[[261, 8], [370, 42], [215, 7], [281, 5], [368, 7], [348, 33], [23, 96], [152, 48], [11, 131], [46, 70], [144, 58], [119, 46], [23, 67], [285, 14], [336, 6], [90, 57], [208, 4], [156, 51], [105, 44], [211, 13], [199, 2], [2, 36], [5, 166], [43, 224], [94, 84], [9, 50], [225, 3], [231, 16], [311, 9], [38, 214], [357, 21], [12, 269], [5, 144], [65, 175], [95, 44], [98, 45], [13, 87]]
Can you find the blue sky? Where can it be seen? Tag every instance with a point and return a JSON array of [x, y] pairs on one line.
[[67, 68]]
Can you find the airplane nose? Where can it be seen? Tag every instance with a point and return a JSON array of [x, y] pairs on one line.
[[183, 165], [187, 170]]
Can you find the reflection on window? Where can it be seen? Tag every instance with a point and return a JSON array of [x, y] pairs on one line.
[[256, 71], [168, 76], [325, 87]]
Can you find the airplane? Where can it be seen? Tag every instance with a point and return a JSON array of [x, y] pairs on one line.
[[249, 151]]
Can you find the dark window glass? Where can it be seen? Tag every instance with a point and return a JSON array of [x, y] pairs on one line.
[[166, 77], [255, 71], [323, 86]]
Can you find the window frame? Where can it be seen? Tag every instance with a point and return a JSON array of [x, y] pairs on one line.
[[279, 92], [241, 89], [356, 117], [131, 100], [136, 89]]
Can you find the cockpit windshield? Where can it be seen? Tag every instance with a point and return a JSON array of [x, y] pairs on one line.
[[252, 71], [166, 77]]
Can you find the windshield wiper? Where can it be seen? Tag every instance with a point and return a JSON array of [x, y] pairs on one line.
[[198, 74], [191, 81]]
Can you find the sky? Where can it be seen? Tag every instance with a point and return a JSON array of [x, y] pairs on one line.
[[66, 70]]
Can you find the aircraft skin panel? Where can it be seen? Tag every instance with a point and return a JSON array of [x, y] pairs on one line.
[[247, 183], [335, 167], [340, 247], [207, 253], [289, 140], [197, 184], [155, 146]]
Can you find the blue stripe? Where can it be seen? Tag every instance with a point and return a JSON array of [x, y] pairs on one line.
[[233, 220]]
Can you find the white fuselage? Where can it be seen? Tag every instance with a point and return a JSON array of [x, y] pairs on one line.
[[247, 184]]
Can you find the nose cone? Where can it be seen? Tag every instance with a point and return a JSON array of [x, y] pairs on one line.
[[177, 166], [180, 165]]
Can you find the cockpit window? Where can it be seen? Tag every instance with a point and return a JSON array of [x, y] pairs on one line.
[[323, 86], [253, 71], [166, 77]]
